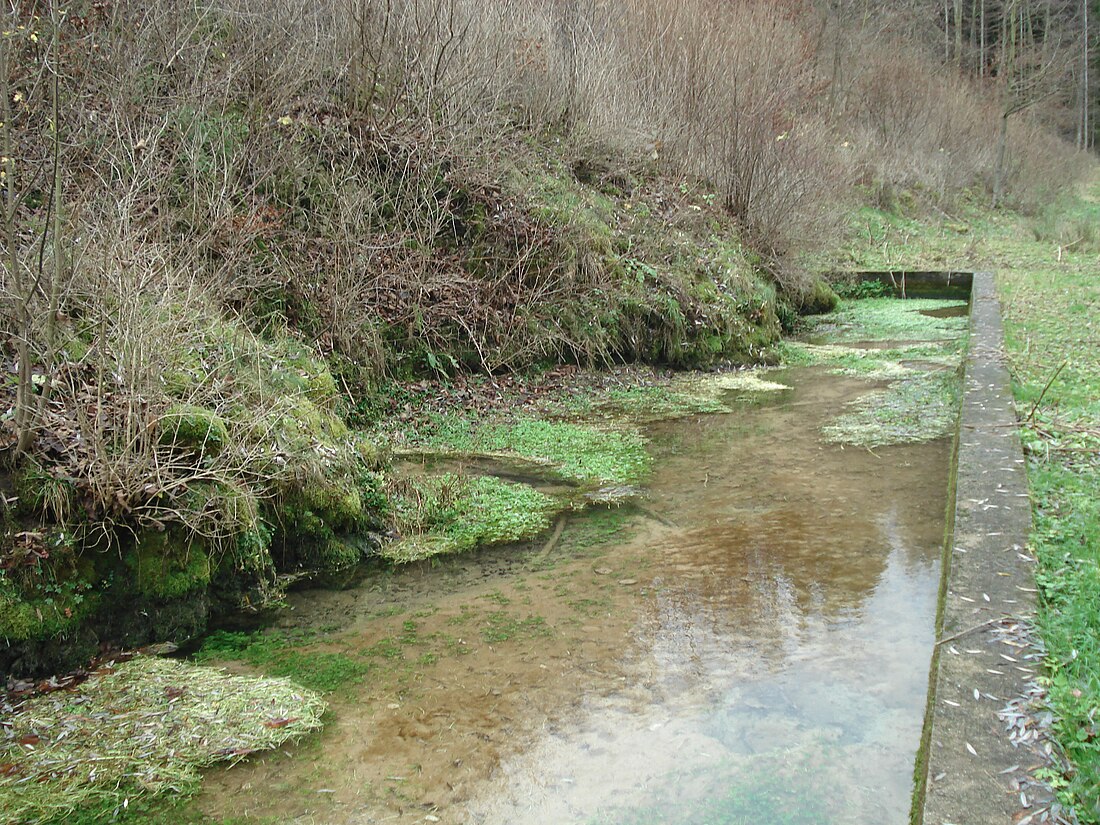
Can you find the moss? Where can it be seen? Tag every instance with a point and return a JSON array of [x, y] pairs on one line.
[[299, 424], [819, 300], [338, 554], [168, 564], [193, 428], [298, 371], [325, 524], [229, 508], [44, 617], [243, 576]]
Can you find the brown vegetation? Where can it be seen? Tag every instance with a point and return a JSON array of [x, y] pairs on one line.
[[200, 203]]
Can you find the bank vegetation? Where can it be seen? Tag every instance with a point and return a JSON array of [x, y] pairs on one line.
[[228, 228]]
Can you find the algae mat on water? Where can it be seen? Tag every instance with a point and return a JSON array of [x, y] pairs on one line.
[[919, 351], [138, 729]]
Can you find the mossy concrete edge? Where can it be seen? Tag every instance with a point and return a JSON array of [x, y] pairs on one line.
[[968, 759]]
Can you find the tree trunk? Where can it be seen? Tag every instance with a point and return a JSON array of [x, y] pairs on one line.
[[999, 169], [958, 33], [981, 43], [1083, 88]]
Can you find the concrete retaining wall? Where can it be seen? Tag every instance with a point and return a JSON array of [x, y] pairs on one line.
[[965, 775]]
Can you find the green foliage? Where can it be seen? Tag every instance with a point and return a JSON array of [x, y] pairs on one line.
[[275, 654], [190, 427], [168, 564], [1066, 538], [858, 288], [322, 522], [452, 513]]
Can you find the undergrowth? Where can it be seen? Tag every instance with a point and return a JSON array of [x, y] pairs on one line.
[[1051, 301]]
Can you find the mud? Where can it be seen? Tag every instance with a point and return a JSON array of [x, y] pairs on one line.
[[750, 643]]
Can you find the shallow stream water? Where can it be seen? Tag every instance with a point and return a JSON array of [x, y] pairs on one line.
[[748, 644]]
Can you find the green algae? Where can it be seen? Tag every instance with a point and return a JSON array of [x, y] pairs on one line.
[[921, 408]]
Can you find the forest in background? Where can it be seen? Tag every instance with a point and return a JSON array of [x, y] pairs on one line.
[[227, 227]]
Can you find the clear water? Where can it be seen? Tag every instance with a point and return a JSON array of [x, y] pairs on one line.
[[752, 648]]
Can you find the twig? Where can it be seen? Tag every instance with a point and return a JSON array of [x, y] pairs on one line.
[[552, 542], [1039, 400], [954, 636]]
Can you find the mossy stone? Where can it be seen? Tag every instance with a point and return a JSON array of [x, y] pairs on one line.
[[819, 300], [194, 428], [167, 564]]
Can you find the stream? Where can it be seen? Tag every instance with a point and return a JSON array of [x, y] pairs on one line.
[[749, 643]]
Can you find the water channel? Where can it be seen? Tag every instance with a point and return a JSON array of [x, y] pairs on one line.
[[750, 643]]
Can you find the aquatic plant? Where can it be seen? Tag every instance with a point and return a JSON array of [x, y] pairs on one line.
[[137, 729], [920, 408], [890, 319], [452, 513]]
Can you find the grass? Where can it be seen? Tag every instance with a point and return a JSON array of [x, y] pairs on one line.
[[280, 655], [453, 513], [1051, 299], [137, 730]]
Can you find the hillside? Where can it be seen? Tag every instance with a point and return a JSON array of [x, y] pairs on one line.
[[233, 234]]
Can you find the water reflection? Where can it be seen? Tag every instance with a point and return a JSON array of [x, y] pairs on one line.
[[778, 674], [757, 653]]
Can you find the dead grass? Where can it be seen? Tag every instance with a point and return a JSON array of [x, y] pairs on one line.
[[139, 728]]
